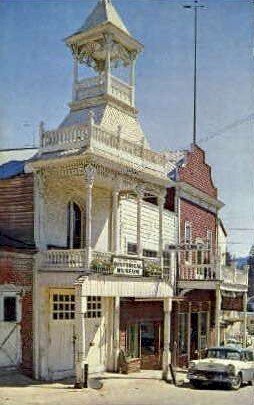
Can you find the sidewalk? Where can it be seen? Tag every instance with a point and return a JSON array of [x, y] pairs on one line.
[[181, 376]]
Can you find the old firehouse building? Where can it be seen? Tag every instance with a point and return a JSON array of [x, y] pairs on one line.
[[111, 254]]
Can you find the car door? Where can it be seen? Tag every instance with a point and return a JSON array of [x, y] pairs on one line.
[[249, 362]]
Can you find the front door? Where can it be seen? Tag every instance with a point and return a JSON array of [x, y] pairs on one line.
[[151, 345], [61, 333], [10, 341]]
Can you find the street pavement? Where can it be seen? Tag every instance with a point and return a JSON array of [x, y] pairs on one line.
[[143, 388]]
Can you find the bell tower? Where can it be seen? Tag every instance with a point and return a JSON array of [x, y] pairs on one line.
[[104, 56]]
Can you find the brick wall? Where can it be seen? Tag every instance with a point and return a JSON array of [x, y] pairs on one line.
[[16, 265], [197, 172], [16, 268], [200, 219]]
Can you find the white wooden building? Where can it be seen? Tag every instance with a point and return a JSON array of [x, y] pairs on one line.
[[101, 227]]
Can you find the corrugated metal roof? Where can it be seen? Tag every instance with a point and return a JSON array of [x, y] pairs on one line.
[[11, 169]]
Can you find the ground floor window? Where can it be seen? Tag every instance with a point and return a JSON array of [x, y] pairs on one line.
[[10, 309], [93, 307], [63, 304]]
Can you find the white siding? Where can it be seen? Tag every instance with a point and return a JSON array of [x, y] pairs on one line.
[[149, 225], [101, 214], [56, 215]]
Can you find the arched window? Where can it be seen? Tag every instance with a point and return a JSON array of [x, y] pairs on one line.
[[75, 231]]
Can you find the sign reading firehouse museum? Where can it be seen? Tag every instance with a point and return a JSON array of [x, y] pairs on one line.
[[128, 267]]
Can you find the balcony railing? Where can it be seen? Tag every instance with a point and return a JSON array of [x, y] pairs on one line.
[[211, 272], [92, 135], [204, 272], [63, 259], [102, 263], [95, 86], [73, 137], [231, 275]]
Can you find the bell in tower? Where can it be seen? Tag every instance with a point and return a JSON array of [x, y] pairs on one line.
[[104, 46]]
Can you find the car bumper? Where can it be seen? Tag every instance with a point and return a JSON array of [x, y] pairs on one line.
[[211, 377]]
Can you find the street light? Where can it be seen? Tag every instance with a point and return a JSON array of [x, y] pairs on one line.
[[195, 7]]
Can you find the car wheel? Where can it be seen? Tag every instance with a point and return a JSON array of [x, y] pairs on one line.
[[236, 384], [251, 382], [195, 384]]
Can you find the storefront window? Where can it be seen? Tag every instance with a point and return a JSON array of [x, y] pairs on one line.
[[183, 333], [133, 340]]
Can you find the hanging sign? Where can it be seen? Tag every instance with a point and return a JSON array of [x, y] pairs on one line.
[[127, 267]]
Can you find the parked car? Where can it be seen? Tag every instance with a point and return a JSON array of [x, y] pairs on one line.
[[225, 364]]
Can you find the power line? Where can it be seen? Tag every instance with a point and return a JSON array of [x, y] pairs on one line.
[[228, 127], [241, 229]]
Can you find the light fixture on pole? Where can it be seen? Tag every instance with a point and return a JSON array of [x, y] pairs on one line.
[[195, 7]]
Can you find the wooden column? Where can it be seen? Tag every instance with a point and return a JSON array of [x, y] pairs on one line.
[[75, 79], [89, 180], [116, 330], [161, 201], [189, 332], [139, 221], [115, 221], [167, 305], [80, 348], [132, 81], [217, 314], [108, 63], [40, 216]]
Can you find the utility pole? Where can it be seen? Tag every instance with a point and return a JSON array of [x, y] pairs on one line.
[[195, 7]]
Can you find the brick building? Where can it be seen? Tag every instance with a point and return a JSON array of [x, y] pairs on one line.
[[16, 267], [204, 287]]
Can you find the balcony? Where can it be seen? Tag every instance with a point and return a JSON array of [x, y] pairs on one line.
[[205, 272], [103, 263], [206, 275], [96, 86], [231, 275], [96, 137]]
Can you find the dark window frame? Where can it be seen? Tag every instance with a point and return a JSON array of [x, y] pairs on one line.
[[10, 313]]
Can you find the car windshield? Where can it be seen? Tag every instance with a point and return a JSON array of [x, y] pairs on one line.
[[224, 354]]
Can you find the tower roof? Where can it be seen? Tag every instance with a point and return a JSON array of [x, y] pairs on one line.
[[103, 12]]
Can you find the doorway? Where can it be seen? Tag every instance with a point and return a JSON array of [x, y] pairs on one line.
[[151, 345]]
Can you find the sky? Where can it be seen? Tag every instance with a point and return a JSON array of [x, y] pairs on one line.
[[36, 79]]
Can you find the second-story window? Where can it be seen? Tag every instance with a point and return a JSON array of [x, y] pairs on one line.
[[132, 248], [149, 253], [187, 241], [75, 226], [208, 254]]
